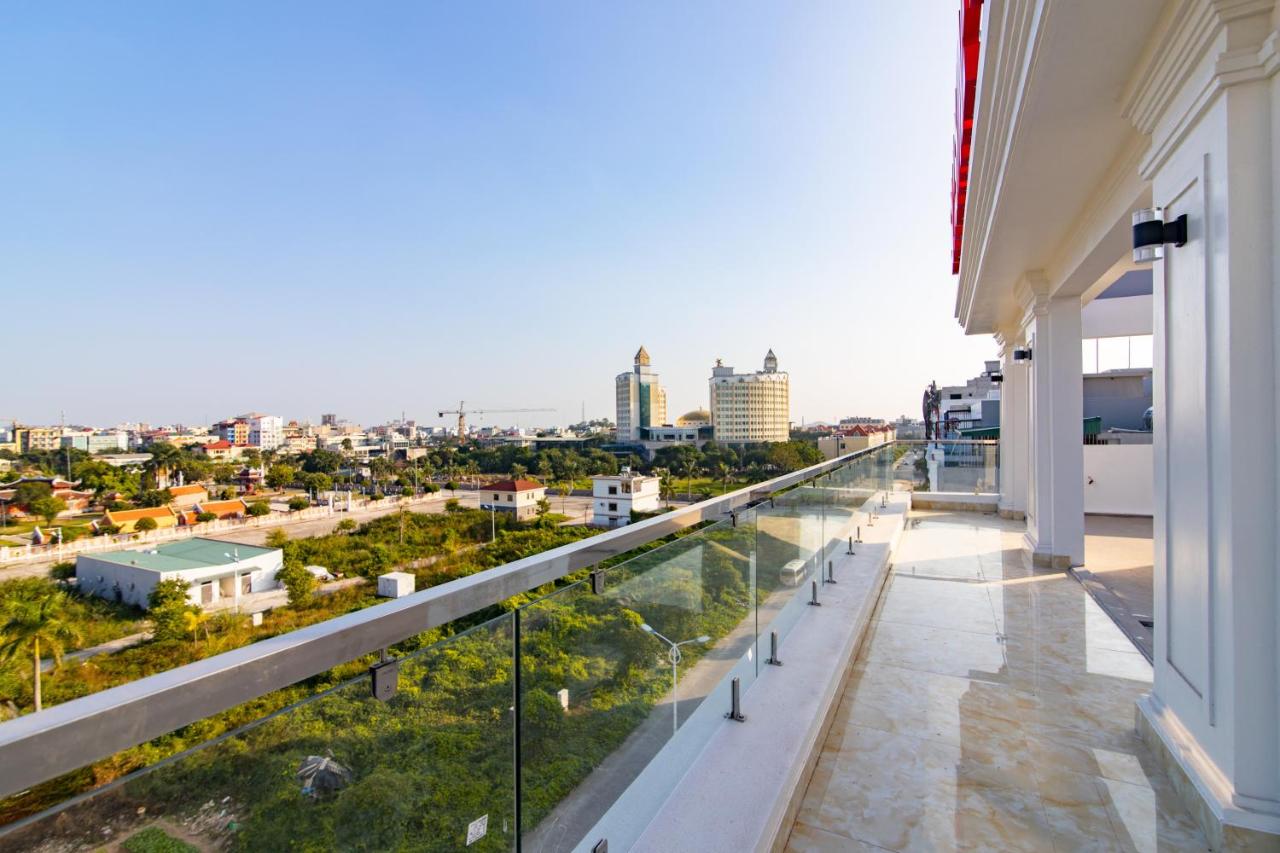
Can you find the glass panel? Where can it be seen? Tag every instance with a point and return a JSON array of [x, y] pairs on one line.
[[789, 547], [338, 770], [1141, 352], [621, 689], [1113, 354], [1089, 355]]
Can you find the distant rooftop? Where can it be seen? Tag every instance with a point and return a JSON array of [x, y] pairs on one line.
[[194, 553]]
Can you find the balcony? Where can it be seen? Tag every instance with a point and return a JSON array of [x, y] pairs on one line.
[[932, 690]]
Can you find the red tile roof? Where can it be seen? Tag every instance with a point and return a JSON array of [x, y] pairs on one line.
[[119, 515], [514, 486], [179, 491]]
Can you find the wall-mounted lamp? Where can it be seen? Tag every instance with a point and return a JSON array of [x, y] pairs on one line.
[[1151, 232], [1022, 355], [996, 377]]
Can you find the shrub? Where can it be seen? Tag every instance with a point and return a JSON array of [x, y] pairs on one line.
[[406, 492], [346, 525], [142, 525], [169, 607], [153, 839], [453, 505], [206, 516], [298, 582], [62, 571], [430, 488], [298, 503], [277, 538], [259, 508]]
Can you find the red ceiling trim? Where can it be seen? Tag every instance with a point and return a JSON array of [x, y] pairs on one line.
[[966, 94]]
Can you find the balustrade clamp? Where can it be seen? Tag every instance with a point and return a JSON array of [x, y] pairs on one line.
[[597, 581], [850, 551], [773, 660], [831, 571], [601, 846], [814, 602], [858, 540], [735, 702], [384, 677]]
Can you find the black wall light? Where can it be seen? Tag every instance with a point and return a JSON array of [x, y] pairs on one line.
[[1022, 355], [1151, 232]]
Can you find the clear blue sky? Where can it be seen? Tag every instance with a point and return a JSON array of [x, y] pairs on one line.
[[367, 208]]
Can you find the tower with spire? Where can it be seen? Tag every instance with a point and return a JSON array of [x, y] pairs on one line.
[[749, 408], [641, 399]]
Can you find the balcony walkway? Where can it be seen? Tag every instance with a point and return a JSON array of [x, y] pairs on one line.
[[990, 707]]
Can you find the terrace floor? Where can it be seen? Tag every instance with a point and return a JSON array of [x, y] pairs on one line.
[[990, 707]]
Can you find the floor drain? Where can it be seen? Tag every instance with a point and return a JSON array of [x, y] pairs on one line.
[[1146, 623]]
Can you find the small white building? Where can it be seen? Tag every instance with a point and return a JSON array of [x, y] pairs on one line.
[[218, 573], [518, 497], [615, 496], [396, 584]]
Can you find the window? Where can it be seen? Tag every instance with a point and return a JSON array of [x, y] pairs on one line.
[[495, 497], [509, 498], [613, 490], [613, 507]]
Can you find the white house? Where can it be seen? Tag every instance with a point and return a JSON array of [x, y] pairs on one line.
[[518, 497], [615, 496], [218, 573]]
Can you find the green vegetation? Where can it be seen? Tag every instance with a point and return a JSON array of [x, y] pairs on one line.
[[156, 840], [298, 582], [34, 626], [144, 525], [259, 508], [168, 607]]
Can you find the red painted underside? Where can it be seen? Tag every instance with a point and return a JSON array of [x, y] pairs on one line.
[[966, 91]]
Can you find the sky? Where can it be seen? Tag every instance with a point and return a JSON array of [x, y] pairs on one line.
[[371, 209]]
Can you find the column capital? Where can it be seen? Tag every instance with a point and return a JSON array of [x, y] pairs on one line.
[[1032, 293]]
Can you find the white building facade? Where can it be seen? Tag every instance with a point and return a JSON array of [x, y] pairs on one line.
[[1177, 108], [218, 574], [266, 432], [641, 399], [748, 408], [615, 496]]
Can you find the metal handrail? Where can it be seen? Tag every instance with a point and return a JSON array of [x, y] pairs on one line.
[[65, 737]]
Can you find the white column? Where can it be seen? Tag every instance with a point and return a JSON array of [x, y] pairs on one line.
[[1055, 506], [1013, 428], [1215, 702]]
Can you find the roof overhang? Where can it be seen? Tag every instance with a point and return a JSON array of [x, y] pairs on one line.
[[1053, 171]]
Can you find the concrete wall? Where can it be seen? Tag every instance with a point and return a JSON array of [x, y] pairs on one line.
[[1118, 479]]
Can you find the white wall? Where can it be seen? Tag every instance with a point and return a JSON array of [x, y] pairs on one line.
[[1118, 479], [1118, 317]]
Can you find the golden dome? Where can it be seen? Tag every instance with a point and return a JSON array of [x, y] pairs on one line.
[[694, 418]]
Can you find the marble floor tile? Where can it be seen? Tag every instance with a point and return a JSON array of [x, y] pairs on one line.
[[810, 839], [946, 652], [1008, 727]]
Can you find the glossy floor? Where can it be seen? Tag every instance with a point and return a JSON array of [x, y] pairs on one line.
[[991, 707]]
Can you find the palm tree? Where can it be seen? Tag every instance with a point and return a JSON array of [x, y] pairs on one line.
[[518, 471], [34, 622], [722, 471], [688, 467], [164, 457], [564, 489]]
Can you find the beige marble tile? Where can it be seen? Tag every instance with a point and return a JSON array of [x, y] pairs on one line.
[[949, 736], [1150, 818], [810, 839], [947, 652]]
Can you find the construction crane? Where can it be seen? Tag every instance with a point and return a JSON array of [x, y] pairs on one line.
[[462, 411]]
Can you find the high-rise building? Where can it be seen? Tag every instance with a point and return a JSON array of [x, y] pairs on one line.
[[642, 402], [751, 407]]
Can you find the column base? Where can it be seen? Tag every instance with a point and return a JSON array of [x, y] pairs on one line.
[[1041, 559], [1012, 514], [1228, 823]]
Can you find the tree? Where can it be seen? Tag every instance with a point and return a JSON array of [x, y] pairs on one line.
[[277, 538], [452, 486], [544, 506], [206, 516], [723, 472], [154, 497], [28, 493], [35, 622], [518, 472], [145, 525], [48, 508], [298, 502], [322, 462], [257, 509], [299, 583], [564, 489], [168, 605], [281, 475], [193, 621], [347, 525]]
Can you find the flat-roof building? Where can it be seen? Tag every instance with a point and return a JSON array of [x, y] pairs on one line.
[[217, 573]]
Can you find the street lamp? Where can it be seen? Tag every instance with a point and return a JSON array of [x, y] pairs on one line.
[[493, 520], [673, 654]]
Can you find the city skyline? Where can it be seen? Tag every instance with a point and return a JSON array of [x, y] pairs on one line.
[[354, 203]]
